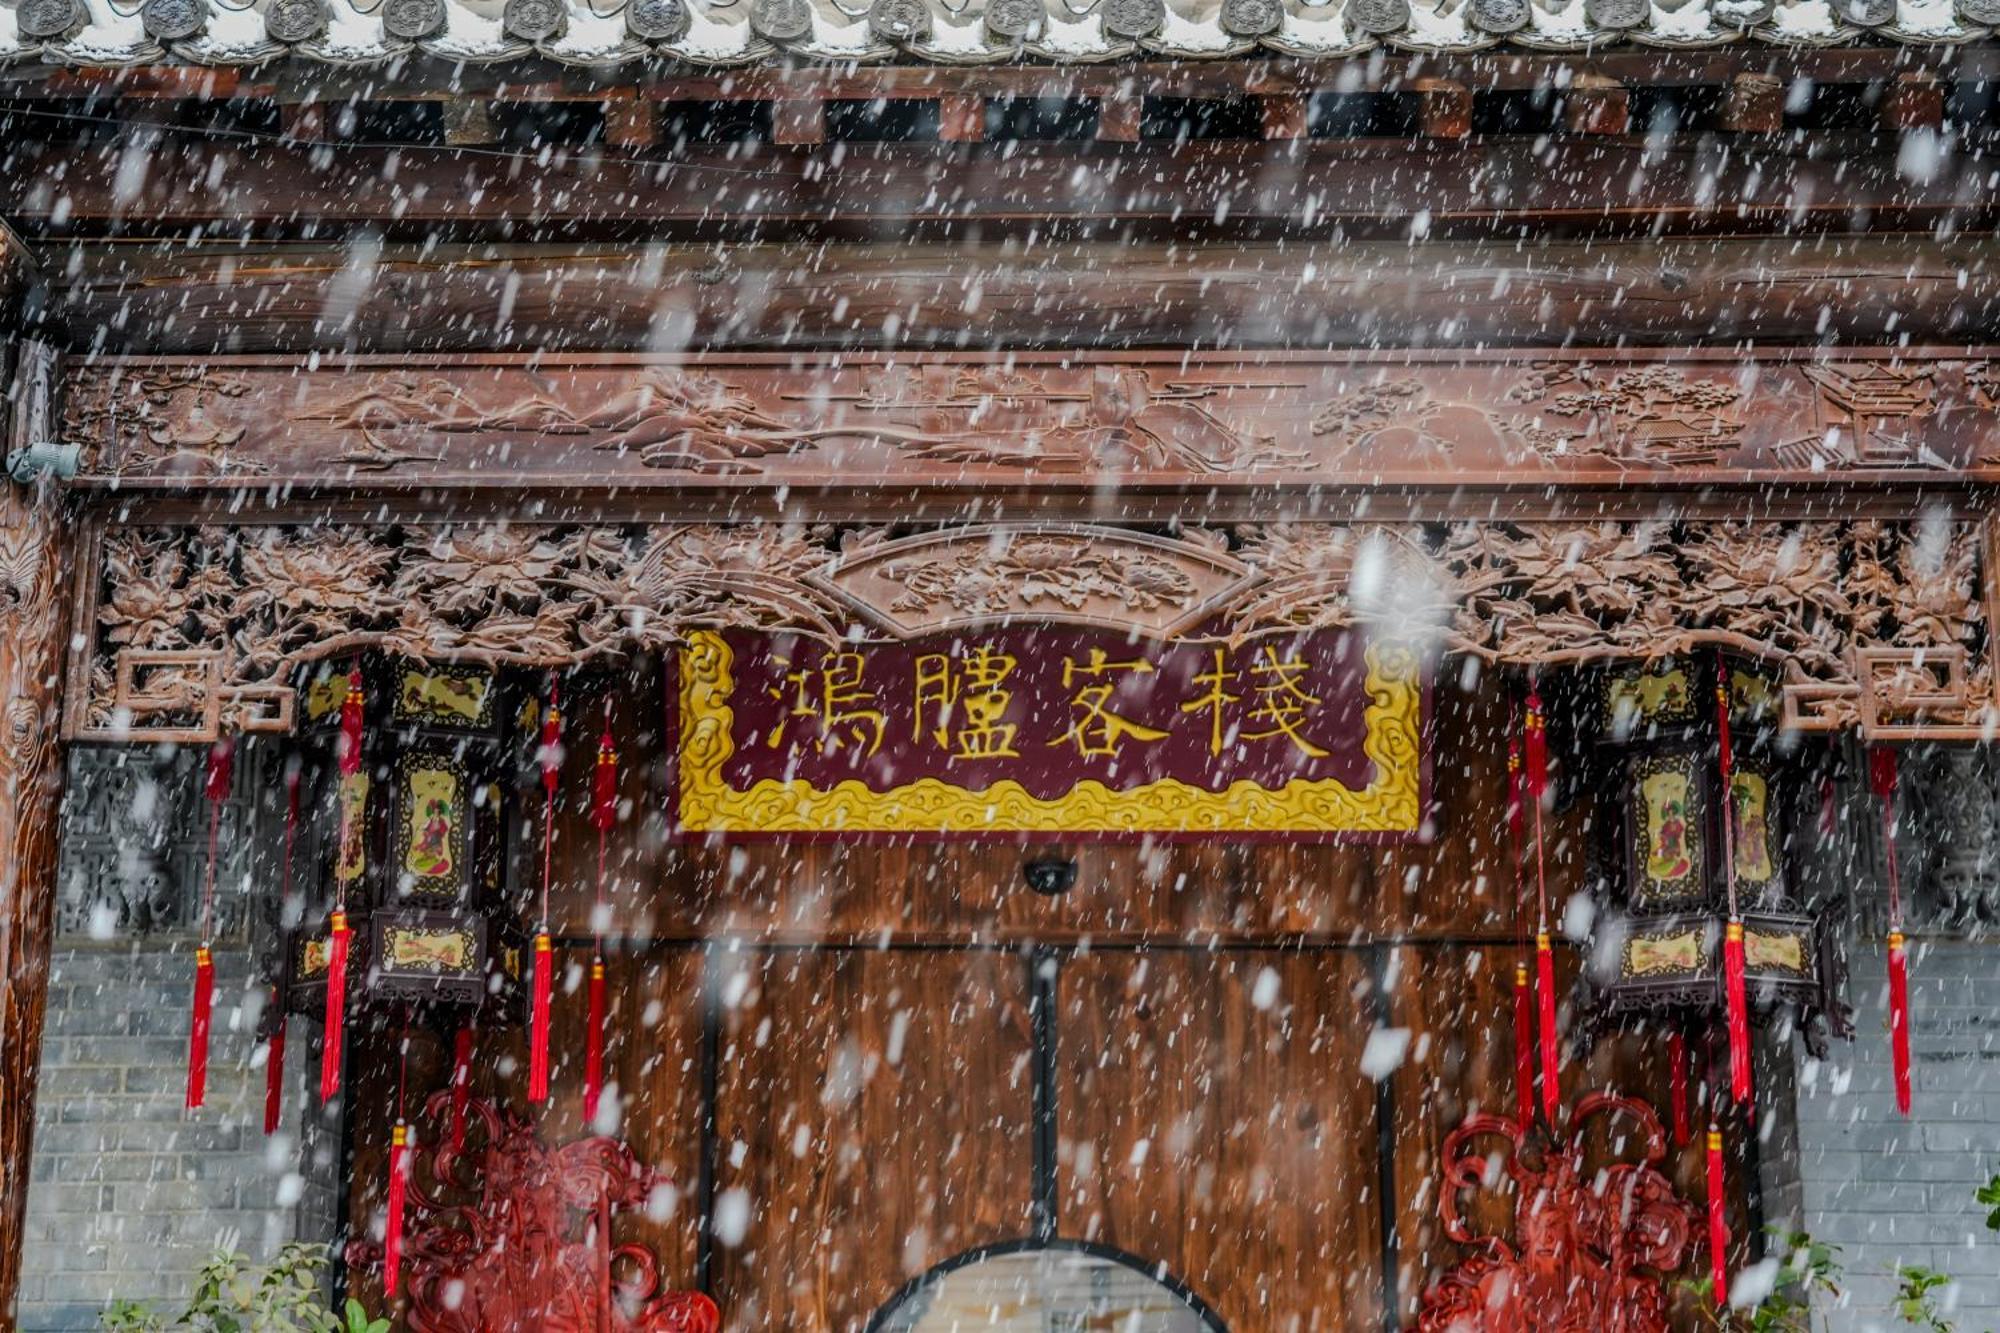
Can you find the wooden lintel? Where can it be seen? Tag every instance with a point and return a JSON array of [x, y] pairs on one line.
[[1754, 104], [961, 118], [798, 120], [1285, 115], [1118, 118], [1444, 108], [1362, 186], [1914, 102], [1596, 105]]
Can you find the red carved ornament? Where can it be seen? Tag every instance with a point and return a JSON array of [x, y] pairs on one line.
[[1591, 1248], [530, 1247]]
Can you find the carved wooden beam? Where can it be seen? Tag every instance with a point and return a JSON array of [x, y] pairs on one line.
[[35, 547], [1282, 428], [194, 631]]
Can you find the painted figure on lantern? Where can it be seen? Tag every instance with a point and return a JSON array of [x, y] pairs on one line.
[[1753, 849], [1666, 817]]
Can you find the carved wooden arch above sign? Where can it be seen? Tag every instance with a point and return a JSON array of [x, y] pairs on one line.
[[1070, 574], [188, 632]]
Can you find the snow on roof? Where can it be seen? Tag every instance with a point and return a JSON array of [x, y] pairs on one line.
[[732, 32]]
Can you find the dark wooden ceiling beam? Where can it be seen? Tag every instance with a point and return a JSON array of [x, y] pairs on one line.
[[219, 297], [529, 80], [1298, 188]]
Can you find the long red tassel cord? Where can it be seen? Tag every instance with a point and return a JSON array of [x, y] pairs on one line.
[[1537, 745], [1882, 777], [1524, 996], [1733, 967], [399, 1175], [544, 992], [603, 814], [349, 754], [274, 1055], [221, 768], [1718, 1219]]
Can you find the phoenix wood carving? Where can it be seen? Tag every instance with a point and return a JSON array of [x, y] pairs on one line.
[[1590, 1247], [516, 1234], [1875, 626], [1227, 420]]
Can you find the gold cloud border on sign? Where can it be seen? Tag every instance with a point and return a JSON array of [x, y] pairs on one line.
[[1391, 804]]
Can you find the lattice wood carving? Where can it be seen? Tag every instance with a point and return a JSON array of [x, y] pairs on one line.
[[1590, 1247], [513, 1233], [1876, 627]]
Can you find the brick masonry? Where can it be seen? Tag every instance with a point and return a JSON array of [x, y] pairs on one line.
[[1889, 1190], [130, 1192]]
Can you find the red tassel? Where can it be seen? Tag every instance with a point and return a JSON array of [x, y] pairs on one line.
[[1899, 1018], [538, 1036], [1524, 1047], [1678, 1081], [461, 1085], [274, 1078], [352, 705], [1538, 747], [593, 1070], [1739, 1012], [336, 1008], [1718, 1220], [604, 782], [204, 1000], [1545, 984], [392, 1241]]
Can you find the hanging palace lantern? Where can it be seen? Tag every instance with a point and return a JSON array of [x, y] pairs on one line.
[[1701, 881], [404, 766]]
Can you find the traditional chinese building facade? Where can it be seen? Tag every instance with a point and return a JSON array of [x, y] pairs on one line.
[[1147, 666]]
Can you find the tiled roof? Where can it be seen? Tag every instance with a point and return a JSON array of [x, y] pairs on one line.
[[946, 32]]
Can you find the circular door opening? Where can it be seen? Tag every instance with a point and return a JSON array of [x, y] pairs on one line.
[[1045, 1287]]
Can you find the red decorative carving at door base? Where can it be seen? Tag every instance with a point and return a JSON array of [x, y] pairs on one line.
[[530, 1247], [1591, 1248]]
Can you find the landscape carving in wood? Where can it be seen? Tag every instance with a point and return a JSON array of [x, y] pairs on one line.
[[1591, 1245], [515, 1234], [189, 632], [1388, 419]]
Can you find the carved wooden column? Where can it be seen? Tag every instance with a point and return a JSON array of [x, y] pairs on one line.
[[34, 602]]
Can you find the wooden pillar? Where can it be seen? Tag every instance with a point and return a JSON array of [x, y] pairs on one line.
[[34, 611]]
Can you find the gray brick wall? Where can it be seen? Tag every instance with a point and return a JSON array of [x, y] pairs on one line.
[[1890, 1190], [130, 1192]]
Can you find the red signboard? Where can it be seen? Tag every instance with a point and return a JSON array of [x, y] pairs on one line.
[[1041, 730]]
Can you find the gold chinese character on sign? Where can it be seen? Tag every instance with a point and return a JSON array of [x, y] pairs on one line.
[[835, 695], [962, 705], [1097, 730], [1282, 700], [1215, 699]]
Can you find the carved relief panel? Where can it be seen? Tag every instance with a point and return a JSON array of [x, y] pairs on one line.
[[1373, 419]]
